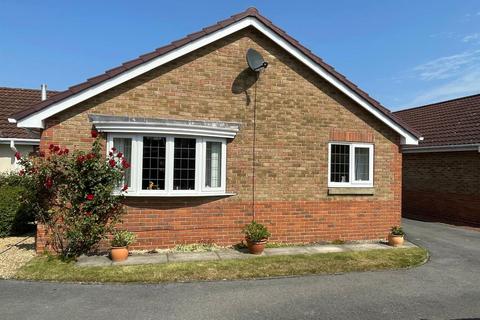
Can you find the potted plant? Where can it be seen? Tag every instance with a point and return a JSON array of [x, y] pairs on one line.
[[256, 235], [395, 237], [120, 242]]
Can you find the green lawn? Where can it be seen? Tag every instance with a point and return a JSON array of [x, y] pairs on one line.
[[53, 269]]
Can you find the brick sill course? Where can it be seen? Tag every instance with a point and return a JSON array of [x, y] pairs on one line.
[[351, 191]]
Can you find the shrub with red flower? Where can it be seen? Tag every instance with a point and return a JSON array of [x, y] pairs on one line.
[[94, 134], [125, 164], [18, 155], [78, 196]]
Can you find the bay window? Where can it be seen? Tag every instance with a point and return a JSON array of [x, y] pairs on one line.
[[167, 165], [350, 165]]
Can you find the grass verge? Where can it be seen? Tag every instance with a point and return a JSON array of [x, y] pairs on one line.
[[53, 269]]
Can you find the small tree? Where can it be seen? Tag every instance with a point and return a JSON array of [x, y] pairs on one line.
[[78, 193]]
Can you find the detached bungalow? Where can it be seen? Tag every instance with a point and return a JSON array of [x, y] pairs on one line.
[[442, 173], [13, 138], [213, 144]]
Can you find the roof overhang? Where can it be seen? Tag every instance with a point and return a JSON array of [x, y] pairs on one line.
[[20, 141], [115, 124], [36, 120], [444, 148]]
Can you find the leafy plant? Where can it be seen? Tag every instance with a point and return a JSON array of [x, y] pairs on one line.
[[77, 194], [10, 205], [17, 192], [255, 231], [397, 231], [122, 238]]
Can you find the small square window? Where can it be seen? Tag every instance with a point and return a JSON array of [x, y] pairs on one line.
[[350, 165]]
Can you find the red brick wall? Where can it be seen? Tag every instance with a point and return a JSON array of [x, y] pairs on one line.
[[297, 115], [443, 186]]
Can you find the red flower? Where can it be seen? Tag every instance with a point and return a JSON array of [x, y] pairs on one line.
[[114, 149], [90, 197], [125, 164], [18, 155], [51, 146], [119, 154], [90, 156], [41, 154], [48, 183], [112, 163], [94, 133], [66, 151], [80, 159], [110, 154], [21, 173], [88, 213], [60, 152], [56, 148], [125, 187]]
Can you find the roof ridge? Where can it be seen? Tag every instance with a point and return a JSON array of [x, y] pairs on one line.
[[438, 103], [25, 89]]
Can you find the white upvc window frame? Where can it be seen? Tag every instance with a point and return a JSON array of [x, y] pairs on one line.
[[200, 166], [352, 183]]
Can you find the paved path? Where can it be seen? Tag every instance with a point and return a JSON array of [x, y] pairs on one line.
[[228, 254], [447, 287]]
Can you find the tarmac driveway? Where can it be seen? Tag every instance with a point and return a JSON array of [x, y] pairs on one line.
[[447, 287]]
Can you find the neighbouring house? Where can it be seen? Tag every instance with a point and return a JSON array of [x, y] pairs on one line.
[[13, 138], [442, 173], [321, 162]]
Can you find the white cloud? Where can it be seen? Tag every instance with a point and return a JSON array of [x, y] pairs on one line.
[[448, 77], [471, 37], [447, 67], [467, 83]]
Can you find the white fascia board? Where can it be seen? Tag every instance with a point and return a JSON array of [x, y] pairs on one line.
[[20, 141], [36, 120], [446, 148]]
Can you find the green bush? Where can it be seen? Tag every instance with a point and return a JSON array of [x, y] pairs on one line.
[[17, 204], [397, 231], [122, 238], [10, 207], [255, 231]]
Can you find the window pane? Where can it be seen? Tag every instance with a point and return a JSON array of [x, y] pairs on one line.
[[362, 157], [184, 164], [213, 165], [124, 145], [340, 163], [153, 175]]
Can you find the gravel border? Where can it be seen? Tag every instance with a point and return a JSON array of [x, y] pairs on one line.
[[14, 253]]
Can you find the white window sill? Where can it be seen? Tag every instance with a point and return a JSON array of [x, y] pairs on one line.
[[177, 195]]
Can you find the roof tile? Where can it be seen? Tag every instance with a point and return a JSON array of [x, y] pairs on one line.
[[452, 122], [13, 100]]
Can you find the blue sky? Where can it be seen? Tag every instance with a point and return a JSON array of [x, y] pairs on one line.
[[403, 53]]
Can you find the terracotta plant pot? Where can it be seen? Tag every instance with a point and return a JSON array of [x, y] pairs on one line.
[[256, 247], [119, 254], [395, 241]]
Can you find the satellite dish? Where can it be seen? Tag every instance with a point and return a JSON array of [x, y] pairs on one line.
[[255, 60]]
